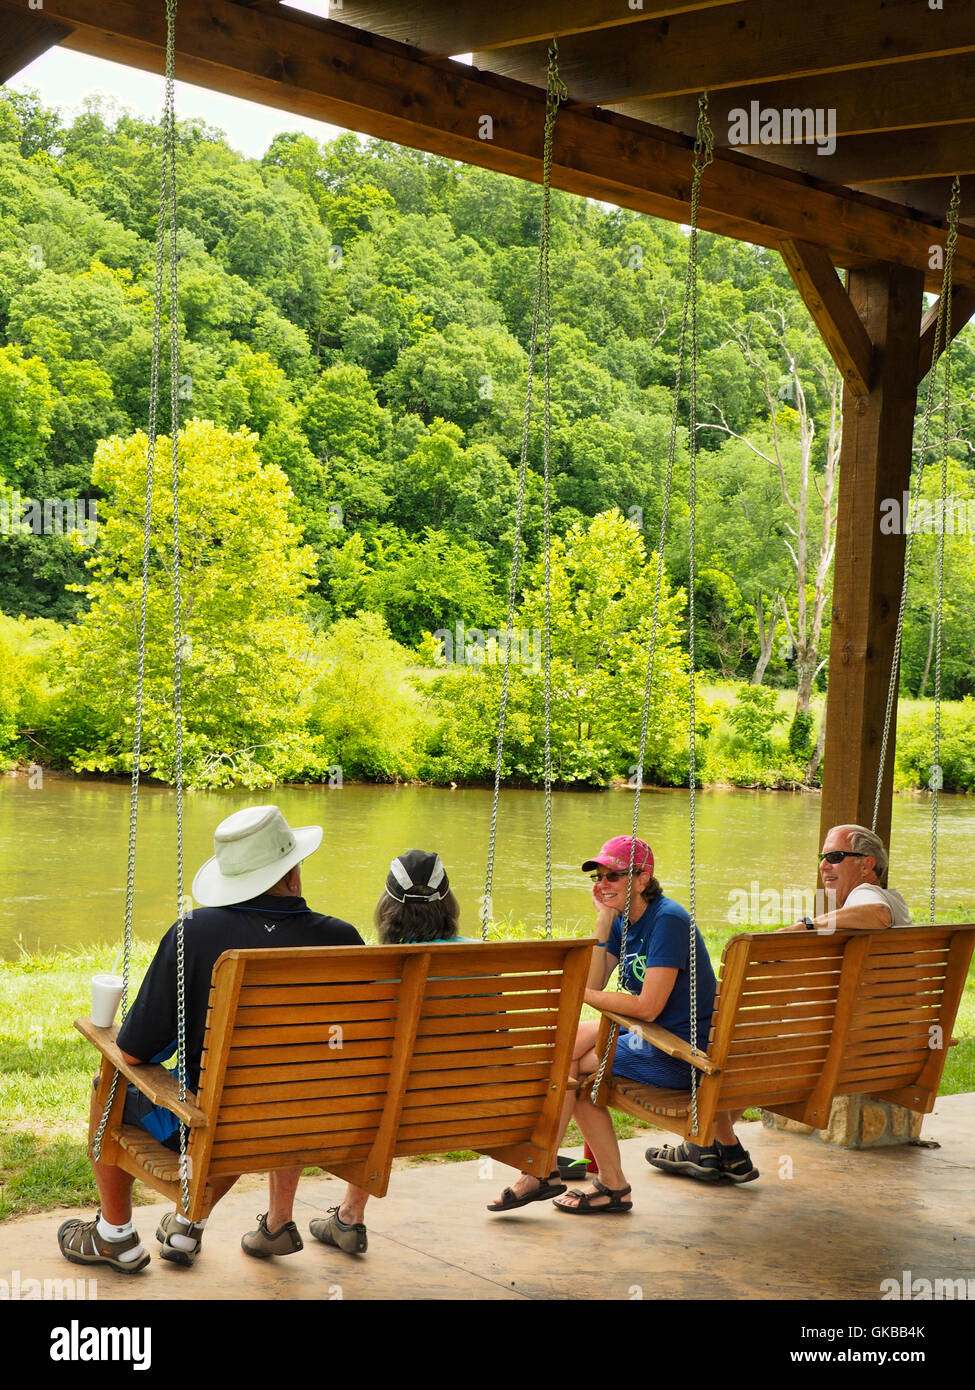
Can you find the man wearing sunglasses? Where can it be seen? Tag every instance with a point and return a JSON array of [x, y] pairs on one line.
[[853, 868]]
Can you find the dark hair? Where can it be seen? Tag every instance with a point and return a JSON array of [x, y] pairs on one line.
[[652, 891], [400, 924]]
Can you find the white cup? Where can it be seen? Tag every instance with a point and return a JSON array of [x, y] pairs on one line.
[[106, 992]]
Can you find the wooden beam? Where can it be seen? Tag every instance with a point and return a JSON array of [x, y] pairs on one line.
[[831, 309], [962, 310], [929, 197], [875, 463], [754, 41], [324, 70], [931, 91], [26, 35], [446, 27], [862, 160]]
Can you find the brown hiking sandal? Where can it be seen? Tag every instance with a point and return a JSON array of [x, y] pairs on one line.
[[82, 1245], [169, 1227], [331, 1231], [262, 1243]]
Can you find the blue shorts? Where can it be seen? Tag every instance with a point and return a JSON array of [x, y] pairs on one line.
[[139, 1110], [639, 1061]]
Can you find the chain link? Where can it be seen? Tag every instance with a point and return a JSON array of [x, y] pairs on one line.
[[941, 349], [703, 156], [556, 92], [953, 214], [153, 426]]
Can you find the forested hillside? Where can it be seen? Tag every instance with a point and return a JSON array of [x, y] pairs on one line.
[[354, 323]]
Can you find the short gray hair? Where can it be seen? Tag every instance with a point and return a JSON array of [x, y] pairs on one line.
[[864, 841]]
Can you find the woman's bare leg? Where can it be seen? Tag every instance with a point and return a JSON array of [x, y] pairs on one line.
[[584, 1063]]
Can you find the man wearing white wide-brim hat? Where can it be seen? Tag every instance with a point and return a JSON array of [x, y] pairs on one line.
[[250, 891]]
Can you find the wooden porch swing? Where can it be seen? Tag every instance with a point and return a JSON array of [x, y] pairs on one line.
[[348, 1057]]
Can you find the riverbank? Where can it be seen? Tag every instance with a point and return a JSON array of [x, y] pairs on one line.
[[46, 1069]]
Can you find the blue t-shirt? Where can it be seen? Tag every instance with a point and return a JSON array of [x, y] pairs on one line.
[[661, 937]]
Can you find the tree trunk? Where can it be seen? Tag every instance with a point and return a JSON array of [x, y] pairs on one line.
[[817, 754], [927, 664], [765, 640]]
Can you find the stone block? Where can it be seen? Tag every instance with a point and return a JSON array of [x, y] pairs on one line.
[[782, 1122], [873, 1123], [843, 1126]]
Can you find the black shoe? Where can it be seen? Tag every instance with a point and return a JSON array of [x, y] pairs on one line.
[[736, 1164], [690, 1161], [572, 1169]]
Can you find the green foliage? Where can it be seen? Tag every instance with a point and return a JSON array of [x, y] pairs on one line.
[[802, 737], [369, 718], [244, 574], [28, 655], [417, 584], [755, 716], [914, 755]]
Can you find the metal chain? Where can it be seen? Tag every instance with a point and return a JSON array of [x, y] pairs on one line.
[[941, 336], [556, 92], [953, 213], [141, 664], [703, 156], [169, 182]]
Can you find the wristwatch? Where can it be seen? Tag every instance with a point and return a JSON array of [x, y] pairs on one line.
[[808, 923]]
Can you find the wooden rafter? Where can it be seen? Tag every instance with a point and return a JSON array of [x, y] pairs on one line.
[[325, 70], [929, 92], [26, 35], [833, 313], [445, 27], [861, 160], [754, 41]]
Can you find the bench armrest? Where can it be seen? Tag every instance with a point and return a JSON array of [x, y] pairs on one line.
[[665, 1041], [160, 1085]]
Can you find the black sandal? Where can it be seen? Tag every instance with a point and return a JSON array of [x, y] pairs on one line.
[[546, 1189], [585, 1200]]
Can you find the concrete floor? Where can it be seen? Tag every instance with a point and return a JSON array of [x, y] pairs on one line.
[[820, 1223]]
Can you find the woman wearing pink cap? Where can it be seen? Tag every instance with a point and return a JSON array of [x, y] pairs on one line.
[[655, 981]]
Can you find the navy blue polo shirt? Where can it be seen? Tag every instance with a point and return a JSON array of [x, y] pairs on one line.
[[267, 921]]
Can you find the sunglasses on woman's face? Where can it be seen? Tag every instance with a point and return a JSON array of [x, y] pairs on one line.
[[836, 856], [612, 877]]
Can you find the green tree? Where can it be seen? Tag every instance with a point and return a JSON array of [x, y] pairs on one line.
[[244, 577]]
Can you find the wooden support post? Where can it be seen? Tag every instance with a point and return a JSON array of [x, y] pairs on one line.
[[832, 311], [875, 463]]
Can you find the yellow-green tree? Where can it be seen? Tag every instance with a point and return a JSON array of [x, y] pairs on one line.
[[244, 576]]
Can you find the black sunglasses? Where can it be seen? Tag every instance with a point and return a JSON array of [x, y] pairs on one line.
[[836, 856]]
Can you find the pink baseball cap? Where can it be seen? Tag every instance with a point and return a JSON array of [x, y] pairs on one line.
[[615, 854]]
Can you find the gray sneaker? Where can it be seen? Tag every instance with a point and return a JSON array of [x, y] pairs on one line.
[[331, 1231], [262, 1243]]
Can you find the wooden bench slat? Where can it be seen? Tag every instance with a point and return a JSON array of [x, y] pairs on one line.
[[323, 1015], [259, 996], [497, 985]]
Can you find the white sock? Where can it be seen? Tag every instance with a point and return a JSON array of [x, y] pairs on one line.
[[185, 1242], [109, 1232], [116, 1233]]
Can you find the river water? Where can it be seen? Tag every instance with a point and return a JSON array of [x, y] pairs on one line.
[[63, 849]]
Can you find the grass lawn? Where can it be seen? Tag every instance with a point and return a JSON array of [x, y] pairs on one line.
[[46, 1069]]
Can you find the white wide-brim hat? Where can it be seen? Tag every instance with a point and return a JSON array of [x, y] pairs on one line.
[[253, 850]]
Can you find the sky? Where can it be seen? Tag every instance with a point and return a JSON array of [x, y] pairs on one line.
[[64, 79]]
